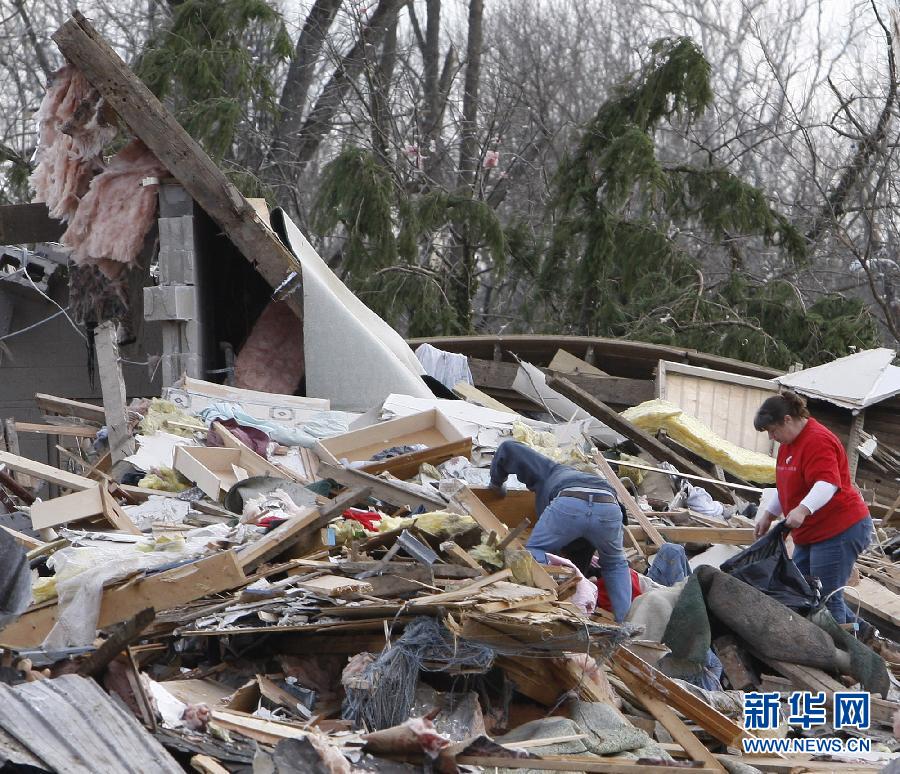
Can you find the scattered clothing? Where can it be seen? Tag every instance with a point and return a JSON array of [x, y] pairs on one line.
[[449, 368]]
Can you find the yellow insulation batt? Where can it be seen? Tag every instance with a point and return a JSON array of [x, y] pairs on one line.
[[690, 432]]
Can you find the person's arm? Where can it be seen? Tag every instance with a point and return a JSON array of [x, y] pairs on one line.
[[823, 468], [769, 510], [514, 458], [818, 496]]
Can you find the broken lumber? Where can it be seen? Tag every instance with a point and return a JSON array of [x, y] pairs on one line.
[[398, 494], [112, 386], [45, 472], [603, 413], [486, 519], [51, 404], [731, 536], [160, 591], [631, 506], [87, 505], [73, 431], [82, 45], [724, 729], [670, 721]]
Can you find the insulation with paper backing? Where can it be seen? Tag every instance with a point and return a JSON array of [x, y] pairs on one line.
[[116, 213], [690, 432], [74, 125]]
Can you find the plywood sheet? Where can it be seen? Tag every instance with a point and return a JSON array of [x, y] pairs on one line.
[[725, 402]]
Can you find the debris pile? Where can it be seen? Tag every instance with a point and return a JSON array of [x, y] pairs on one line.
[[229, 579], [360, 599]]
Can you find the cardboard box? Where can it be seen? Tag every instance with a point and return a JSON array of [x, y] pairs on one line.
[[216, 470], [431, 428]]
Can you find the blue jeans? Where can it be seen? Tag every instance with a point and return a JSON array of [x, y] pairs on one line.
[[832, 560], [566, 519]]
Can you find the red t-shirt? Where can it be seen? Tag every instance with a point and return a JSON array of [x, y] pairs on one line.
[[603, 599], [817, 455]]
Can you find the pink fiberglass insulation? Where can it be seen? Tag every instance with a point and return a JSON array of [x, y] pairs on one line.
[[74, 125], [116, 213], [271, 359]]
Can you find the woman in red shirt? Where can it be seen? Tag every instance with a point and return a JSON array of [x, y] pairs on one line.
[[830, 523]]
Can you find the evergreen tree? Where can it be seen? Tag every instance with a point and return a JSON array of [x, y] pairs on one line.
[[614, 266], [214, 64], [390, 255]]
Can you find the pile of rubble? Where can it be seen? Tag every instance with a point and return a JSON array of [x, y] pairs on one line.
[[342, 592]]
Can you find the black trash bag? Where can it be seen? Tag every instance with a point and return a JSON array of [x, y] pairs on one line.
[[766, 566]]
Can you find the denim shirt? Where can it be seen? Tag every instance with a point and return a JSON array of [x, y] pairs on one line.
[[540, 474]]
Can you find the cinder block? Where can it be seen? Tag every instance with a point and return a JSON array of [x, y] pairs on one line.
[[170, 302]]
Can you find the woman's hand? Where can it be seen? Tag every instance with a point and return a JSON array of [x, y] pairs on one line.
[[763, 522], [797, 516]]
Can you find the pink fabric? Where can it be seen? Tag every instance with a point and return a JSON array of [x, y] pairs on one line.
[[271, 359], [116, 213], [73, 129]]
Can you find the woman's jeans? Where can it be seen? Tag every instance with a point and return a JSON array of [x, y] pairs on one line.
[[832, 560], [567, 519]]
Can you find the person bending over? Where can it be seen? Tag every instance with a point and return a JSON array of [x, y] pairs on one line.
[[570, 505]]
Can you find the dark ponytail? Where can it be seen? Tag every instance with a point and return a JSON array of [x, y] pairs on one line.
[[775, 409]]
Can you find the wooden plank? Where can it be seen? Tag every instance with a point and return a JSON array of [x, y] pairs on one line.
[[730, 536], [566, 363], [472, 394], [279, 539], [574, 763], [455, 553], [599, 410], [161, 591], [45, 472], [874, 598], [74, 431], [112, 385], [669, 692], [27, 541], [51, 404], [231, 441], [464, 591], [388, 491], [631, 506], [691, 476], [28, 224], [12, 445], [812, 679], [670, 721], [490, 523], [207, 765], [82, 45], [335, 586], [497, 375]]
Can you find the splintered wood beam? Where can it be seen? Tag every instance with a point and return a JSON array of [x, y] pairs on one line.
[[631, 506], [600, 411], [630, 667], [51, 404], [112, 385], [82, 45], [45, 472]]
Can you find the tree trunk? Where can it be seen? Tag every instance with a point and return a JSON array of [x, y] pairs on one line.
[[466, 263], [299, 81], [318, 123], [468, 151], [380, 101]]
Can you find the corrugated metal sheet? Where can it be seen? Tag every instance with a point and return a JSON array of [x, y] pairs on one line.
[[74, 727]]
